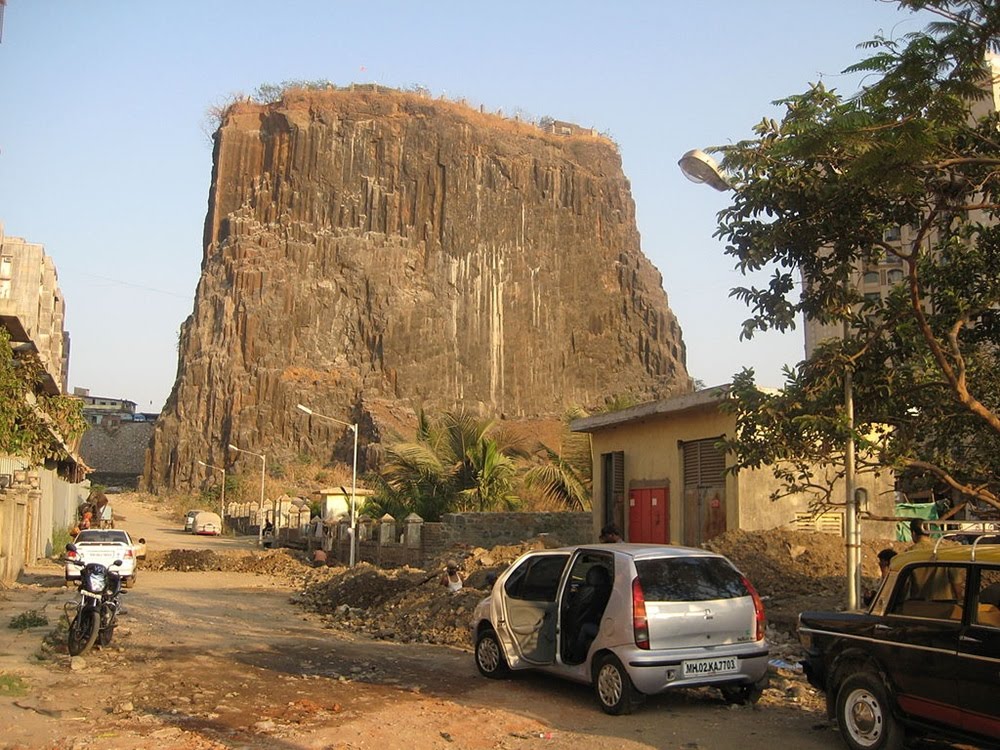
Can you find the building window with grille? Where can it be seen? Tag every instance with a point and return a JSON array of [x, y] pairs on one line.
[[894, 276], [871, 278], [613, 474]]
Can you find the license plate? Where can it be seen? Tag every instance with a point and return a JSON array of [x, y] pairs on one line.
[[703, 667]]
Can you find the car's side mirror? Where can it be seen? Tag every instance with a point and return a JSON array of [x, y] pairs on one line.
[[71, 547], [117, 562]]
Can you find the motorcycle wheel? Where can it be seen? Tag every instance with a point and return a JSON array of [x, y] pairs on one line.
[[108, 622], [83, 631], [105, 635]]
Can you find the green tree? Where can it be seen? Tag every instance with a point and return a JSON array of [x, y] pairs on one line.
[[819, 197], [457, 462], [31, 420], [565, 475]]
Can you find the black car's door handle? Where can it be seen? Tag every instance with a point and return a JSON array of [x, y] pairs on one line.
[[882, 628], [969, 639]]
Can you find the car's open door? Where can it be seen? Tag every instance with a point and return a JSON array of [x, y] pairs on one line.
[[529, 607]]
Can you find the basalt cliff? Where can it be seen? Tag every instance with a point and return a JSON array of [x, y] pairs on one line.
[[369, 253]]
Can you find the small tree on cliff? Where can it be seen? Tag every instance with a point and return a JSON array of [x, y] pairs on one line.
[[819, 196], [28, 417], [457, 462]]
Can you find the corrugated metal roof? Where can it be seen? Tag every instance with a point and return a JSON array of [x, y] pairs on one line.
[[688, 402]]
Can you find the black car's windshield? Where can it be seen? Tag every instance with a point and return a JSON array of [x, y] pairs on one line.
[[689, 579]]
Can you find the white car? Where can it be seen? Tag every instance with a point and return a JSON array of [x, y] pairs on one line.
[[189, 519], [629, 619], [104, 546]]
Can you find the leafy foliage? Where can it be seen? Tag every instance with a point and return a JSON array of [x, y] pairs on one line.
[[456, 463], [27, 415], [565, 476], [32, 618], [819, 197]]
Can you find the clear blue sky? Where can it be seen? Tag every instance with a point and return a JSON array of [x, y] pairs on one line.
[[104, 158]]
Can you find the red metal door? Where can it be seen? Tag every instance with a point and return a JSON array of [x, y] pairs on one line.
[[649, 515]]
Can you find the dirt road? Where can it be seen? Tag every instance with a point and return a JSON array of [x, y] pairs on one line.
[[224, 660]]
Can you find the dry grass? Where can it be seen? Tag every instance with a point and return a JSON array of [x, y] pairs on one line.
[[386, 102]]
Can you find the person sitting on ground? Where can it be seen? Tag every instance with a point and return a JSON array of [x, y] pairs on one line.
[[268, 527], [610, 534], [319, 558], [451, 577]]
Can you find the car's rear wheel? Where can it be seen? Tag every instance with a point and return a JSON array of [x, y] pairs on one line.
[[864, 714], [489, 655], [129, 581], [613, 686]]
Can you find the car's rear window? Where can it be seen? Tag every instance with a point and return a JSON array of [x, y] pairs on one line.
[[689, 579], [102, 536]]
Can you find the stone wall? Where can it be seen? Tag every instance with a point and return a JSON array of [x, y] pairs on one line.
[[391, 543], [116, 451]]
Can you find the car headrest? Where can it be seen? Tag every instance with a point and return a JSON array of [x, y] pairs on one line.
[[598, 576]]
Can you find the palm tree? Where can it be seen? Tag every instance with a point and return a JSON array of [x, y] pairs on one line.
[[458, 462], [566, 475]]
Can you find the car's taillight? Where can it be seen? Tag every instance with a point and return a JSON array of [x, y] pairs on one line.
[[640, 626], [129, 553], [758, 609]]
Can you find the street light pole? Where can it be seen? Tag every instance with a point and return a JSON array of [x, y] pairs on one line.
[[222, 499], [263, 463], [352, 529], [852, 524], [699, 167]]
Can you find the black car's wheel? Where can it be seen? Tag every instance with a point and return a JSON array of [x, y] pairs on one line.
[[614, 688], [489, 655], [83, 631], [864, 714]]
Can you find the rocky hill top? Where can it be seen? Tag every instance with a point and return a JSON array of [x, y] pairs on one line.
[[367, 253]]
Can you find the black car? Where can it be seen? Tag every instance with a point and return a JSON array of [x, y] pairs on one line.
[[923, 660]]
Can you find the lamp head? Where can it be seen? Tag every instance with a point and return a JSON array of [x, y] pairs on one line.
[[305, 409], [699, 167], [233, 447]]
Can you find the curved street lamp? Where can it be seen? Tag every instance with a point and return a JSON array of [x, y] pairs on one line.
[[222, 499], [699, 167], [260, 521], [352, 529]]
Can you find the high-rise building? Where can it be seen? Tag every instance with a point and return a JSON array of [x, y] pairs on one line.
[[875, 280], [32, 307]]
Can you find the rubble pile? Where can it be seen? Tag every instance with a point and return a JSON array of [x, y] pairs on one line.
[[270, 562], [793, 571], [410, 605]]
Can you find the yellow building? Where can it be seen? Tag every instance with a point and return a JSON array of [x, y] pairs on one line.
[[661, 477]]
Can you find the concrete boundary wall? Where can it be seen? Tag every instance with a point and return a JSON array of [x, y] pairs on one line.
[[34, 505]]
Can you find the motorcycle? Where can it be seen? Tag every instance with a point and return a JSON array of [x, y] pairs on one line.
[[94, 614]]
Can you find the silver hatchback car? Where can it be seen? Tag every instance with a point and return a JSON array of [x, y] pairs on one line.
[[630, 619]]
